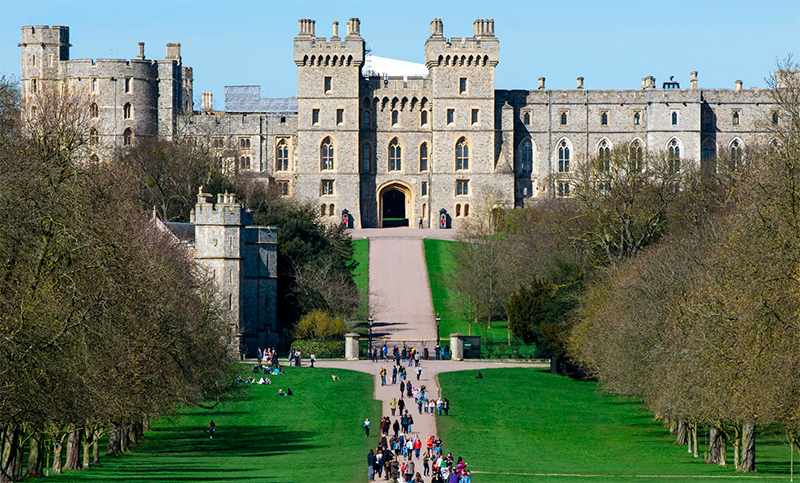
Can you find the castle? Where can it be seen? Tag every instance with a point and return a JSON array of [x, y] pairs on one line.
[[373, 149]]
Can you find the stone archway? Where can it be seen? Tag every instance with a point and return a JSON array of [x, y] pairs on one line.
[[396, 205]]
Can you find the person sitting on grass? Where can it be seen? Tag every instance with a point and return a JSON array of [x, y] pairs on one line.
[[288, 391], [250, 380], [239, 379], [281, 393]]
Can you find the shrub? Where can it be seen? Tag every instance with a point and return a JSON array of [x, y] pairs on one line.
[[320, 325], [321, 349]]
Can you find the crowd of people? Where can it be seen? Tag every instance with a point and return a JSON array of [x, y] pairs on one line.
[[410, 354], [394, 461]]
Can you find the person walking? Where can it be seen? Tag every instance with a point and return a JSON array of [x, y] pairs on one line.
[[402, 388], [417, 446], [394, 374], [366, 428], [393, 405], [371, 465], [396, 428], [313, 359], [383, 376], [401, 405], [409, 469], [211, 428]]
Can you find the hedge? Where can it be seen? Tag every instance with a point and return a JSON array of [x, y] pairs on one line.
[[320, 349]]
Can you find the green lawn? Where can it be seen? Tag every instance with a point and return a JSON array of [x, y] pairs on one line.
[[315, 435], [439, 258], [529, 421], [361, 275]]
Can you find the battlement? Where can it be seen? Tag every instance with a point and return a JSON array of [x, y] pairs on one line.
[[395, 84], [480, 50], [226, 211], [45, 34], [310, 50]]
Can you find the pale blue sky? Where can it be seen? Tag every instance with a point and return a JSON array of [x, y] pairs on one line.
[[612, 44]]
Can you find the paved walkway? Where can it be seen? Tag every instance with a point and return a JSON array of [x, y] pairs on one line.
[[424, 424]]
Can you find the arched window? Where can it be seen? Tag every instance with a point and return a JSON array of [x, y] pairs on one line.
[[282, 156], [526, 118], [365, 119], [94, 137], [323, 209], [93, 110], [674, 118], [331, 210], [709, 149], [563, 189], [563, 156], [563, 118], [775, 117], [603, 156], [395, 156], [423, 157], [674, 156], [466, 209], [604, 119], [423, 118], [424, 210], [326, 155], [526, 156], [366, 158], [127, 111], [637, 118], [737, 153], [395, 116], [636, 156], [462, 155], [735, 119], [127, 137], [458, 210]]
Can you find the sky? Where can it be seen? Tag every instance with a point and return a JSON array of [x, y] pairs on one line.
[[612, 44]]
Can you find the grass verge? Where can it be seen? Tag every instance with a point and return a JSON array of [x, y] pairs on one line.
[[361, 275], [539, 425]]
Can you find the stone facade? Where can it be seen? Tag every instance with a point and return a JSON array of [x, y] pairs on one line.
[[393, 150]]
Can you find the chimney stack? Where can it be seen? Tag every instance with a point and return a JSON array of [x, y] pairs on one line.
[[437, 28], [580, 83], [335, 29], [738, 85], [174, 51], [306, 27], [694, 79], [354, 27], [208, 101], [541, 82], [141, 51]]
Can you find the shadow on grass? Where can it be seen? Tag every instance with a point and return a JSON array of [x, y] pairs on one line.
[[239, 441]]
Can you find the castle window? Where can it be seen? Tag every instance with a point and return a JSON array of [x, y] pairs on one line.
[[230, 277], [327, 85], [366, 158], [564, 118], [244, 162], [283, 119], [339, 116], [244, 143], [33, 112], [423, 118], [466, 209], [94, 85], [395, 116], [527, 189], [462, 155], [563, 156], [331, 210], [462, 85], [474, 117], [735, 118], [283, 188], [674, 156], [451, 115], [526, 156], [94, 138], [526, 118], [458, 210], [217, 143], [395, 156], [774, 118], [230, 301], [323, 209], [127, 111], [737, 155], [423, 157], [424, 210], [127, 137], [604, 119], [709, 149], [636, 156], [708, 119], [315, 116], [365, 119], [674, 117], [563, 189], [326, 188], [326, 155], [423, 189], [33, 60], [34, 85], [462, 187], [604, 156], [637, 118], [93, 110], [127, 84]]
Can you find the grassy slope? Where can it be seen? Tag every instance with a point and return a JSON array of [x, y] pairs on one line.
[[316, 435], [361, 275], [528, 421], [440, 261]]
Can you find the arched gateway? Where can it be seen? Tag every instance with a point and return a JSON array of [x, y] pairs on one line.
[[396, 207]]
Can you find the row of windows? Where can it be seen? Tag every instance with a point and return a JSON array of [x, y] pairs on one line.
[[327, 188], [127, 110], [395, 156], [423, 117], [527, 117]]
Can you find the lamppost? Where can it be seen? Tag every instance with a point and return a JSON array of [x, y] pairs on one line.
[[438, 323], [370, 321]]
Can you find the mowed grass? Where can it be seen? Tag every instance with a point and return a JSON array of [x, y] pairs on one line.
[[361, 275], [525, 420], [441, 263], [316, 435]]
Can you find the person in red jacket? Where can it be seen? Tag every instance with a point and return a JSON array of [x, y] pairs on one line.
[[417, 446]]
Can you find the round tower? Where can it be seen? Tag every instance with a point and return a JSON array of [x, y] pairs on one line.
[[43, 49]]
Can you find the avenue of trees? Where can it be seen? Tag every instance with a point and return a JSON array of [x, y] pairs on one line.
[[674, 283], [104, 321]]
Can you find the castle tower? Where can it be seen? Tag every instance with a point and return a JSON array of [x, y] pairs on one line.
[[329, 76], [43, 48]]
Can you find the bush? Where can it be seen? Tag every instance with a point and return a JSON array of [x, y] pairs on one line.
[[321, 349], [320, 325]]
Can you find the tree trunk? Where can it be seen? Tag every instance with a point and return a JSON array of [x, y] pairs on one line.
[[88, 438], [689, 438], [124, 439], [132, 440], [35, 457], [146, 423], [139, 430], [713, 445], [73, 450], [680, 433], [694, 441], [96, 448], [737, 445], [114, 446], [58, 445], [723, 447], [748, 463], [8, 453]]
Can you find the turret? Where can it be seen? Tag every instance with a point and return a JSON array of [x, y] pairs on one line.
[[43, 48]]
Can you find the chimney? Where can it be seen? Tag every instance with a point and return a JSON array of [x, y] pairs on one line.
[[541, 82], [580, 83], [738, 85], [174, 51], [306, 27], [208, 101], [141, 51], [437, 28], [694, 79], [648, 82], [335, 29], [354, 27]]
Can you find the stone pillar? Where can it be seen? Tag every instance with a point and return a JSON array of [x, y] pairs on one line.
[[694, 79], [738, 85], [580, 83], [351, 346], [541, 82], [457, 347]]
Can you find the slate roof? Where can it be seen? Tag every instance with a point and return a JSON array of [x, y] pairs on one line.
[[242, 99], [184, 231]]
